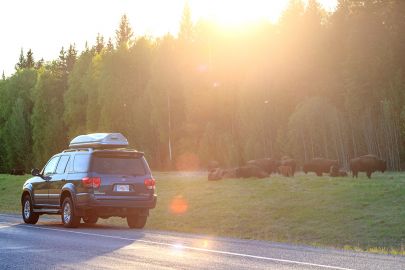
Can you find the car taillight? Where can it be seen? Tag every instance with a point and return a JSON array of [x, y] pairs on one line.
[[150, 183], [93, 182]]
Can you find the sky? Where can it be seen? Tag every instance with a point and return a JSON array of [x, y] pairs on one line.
[[46, 25]]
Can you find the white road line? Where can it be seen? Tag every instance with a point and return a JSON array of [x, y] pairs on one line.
[[184, 247]]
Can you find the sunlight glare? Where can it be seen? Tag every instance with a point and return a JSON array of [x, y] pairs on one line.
[[178, 250], [205, 244], [229, 13], [235, 14], [178, 205]]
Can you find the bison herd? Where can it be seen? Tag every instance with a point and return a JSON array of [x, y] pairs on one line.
[[261, 168]]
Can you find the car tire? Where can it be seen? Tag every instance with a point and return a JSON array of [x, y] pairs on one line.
[[69, 218], [90, 219], [29, 216], [136, 221]]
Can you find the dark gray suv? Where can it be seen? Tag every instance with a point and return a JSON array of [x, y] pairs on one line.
[[100, 180]]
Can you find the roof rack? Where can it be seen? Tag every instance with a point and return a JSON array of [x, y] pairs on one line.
[[122, 150], [77, 150]]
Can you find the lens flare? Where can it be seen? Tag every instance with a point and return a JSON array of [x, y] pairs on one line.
[[178, 205]]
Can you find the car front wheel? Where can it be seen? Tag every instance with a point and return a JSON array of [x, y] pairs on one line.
[[28, 214], [69, 218]]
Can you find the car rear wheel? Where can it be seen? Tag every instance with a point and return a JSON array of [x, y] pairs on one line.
[[90, 219], [136, 221], [69, 218], [28, 214]]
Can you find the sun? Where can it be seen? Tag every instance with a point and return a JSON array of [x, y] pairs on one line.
[[236, 13], [233, 13]]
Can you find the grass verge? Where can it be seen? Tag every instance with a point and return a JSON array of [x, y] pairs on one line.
[[339, 212]]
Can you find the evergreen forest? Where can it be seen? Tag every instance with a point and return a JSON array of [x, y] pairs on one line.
[[313, 84]]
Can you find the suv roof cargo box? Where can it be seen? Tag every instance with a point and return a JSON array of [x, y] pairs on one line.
[[99, 140]]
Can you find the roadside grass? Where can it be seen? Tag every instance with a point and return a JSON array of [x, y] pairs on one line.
[[10, 192], [354, 214]]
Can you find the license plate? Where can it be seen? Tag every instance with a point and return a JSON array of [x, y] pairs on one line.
[[122, 188]]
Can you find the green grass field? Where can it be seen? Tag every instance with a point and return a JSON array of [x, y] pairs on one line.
[[338, 212]]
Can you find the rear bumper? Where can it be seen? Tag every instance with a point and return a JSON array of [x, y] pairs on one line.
[[113, 207], [151, 203]]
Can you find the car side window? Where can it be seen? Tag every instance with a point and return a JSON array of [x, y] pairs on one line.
[[81, 163], [62, 164], [69, 166], [51, 166]]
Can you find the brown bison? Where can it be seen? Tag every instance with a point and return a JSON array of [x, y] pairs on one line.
[[285, 171], [239, 172], [287, 161], [267, 164], [215, 174], [251, 171], [229, 173], [368, 164], [342, 173], [335, 172], [319, 165]]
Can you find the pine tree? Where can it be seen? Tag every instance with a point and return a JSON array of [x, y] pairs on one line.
[[124, 33], [110, 45], [71, 57], [313, 15], [21, 61], [186, 25], [30, 62], [99, 43], [3, 77], [39, 64], [62, 60], [292, 14], [86, 46]]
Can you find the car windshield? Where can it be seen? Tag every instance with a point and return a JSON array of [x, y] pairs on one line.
[[118, 165]]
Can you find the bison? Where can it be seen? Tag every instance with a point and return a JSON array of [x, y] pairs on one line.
[[285, 171], [319, 165], [238, 172], [335, 172], [267, 164], [251, 171], [367, 164], [215, 174], [342, 173], [287, 161], [229, 173]]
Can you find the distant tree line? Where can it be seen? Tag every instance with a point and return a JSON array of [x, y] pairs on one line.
[[315, 84]]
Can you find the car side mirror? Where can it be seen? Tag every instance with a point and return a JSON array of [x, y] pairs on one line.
[[35, 172]]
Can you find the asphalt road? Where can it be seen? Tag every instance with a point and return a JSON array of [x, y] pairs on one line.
[[47, 245]]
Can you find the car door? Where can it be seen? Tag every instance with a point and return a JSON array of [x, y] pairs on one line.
[[57, 181], [41, 186]]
